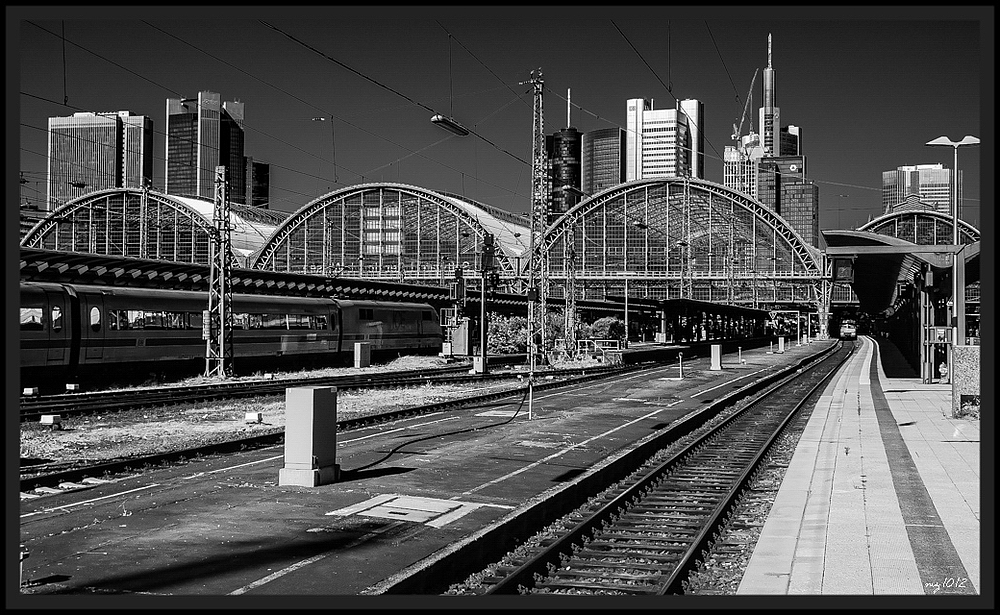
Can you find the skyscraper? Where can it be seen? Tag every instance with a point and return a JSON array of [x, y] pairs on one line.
[[92, 151], [781, 183], [563, 150], [790, 143], [602, 159], [741, 164], [203, 133], [930, 182], [258, 183], [664, 142], [770, 115], [783, 188]]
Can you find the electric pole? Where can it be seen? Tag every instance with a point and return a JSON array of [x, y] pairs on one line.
[[218, 318], [537, 274]]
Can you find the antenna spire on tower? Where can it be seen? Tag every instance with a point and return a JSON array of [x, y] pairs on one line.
[[769, 50]]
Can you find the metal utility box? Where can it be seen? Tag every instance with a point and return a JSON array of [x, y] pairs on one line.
[[362, 354], [460, 337], [716, 357], [478, 365], [310, 437]]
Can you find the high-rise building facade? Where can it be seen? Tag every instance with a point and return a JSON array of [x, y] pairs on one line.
[[930, 182], [741, 165], [203, 133], [664, 142], [784, 189], [790, 143], [258, 183], [602, 159], [92, 151], [563, 149]]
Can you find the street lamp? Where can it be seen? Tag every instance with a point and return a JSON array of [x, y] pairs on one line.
[[958, 294]]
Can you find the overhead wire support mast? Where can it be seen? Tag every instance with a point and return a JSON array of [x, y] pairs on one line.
[[539, 215], [218, 318]]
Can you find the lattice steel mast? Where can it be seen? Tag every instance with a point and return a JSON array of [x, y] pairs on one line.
[[569, 258], [218, 325], [537, 270]]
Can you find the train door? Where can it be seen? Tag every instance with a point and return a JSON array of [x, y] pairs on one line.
[[93, 325], [59, 328]]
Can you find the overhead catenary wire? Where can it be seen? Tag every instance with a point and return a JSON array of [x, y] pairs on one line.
[[250, 126], [382, 85], [324, 112]]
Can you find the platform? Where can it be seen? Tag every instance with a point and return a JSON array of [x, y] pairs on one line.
[[882, 495]]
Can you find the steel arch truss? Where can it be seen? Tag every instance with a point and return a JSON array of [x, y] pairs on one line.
[[384, 232], [125, 222], [682, 238]]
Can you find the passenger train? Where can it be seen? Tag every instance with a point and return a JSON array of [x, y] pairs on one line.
[[74, 333], [848, 330]]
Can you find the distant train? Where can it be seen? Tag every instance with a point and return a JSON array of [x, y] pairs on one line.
[[848, 330], [70, 333]]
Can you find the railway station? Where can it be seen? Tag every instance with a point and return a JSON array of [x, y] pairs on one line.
[[705, 281]]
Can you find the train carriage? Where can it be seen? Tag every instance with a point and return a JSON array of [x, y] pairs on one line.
[[119, 333], [390, 327], [45, 329]]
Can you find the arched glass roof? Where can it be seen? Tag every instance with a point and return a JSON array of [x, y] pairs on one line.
[[148, 224], [392, 232], [922, 227], [682, 237]]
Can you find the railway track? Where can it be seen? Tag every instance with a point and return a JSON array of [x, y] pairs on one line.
[[68, 405], [42, 475], [647, 533]]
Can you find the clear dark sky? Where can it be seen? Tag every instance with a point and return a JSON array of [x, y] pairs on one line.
[[868, 88]]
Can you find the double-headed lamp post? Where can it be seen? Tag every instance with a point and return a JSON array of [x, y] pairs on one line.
[[957, 294]]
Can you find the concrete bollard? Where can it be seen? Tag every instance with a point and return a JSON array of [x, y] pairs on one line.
[[680, 362], [781, 344], [362, 354], [310, 437]]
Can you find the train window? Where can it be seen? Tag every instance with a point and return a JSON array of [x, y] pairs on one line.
[[299, 321], [95, 319], [273, 321], [426, 315], [31, 319], [135, 319], [366, 314], [321, 322], [175, 320], [56, 318]]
